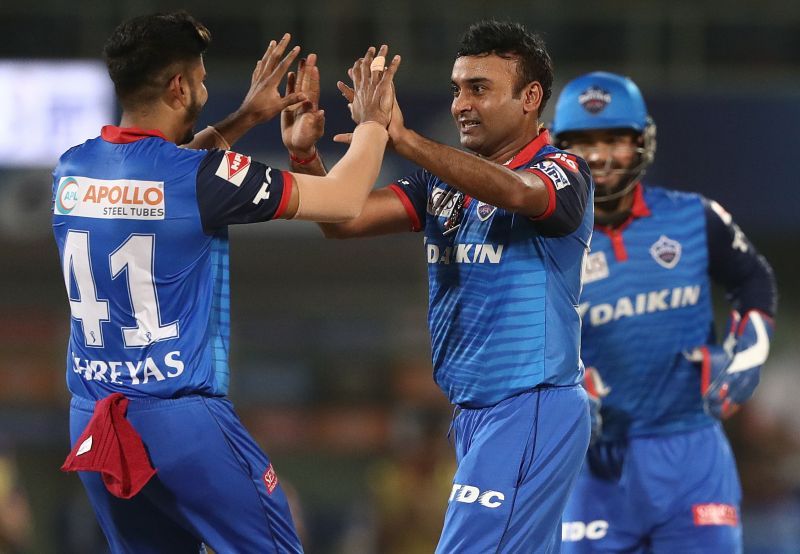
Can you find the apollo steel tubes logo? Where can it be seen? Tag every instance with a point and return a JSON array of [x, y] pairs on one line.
[[110, 198], [67, 195]]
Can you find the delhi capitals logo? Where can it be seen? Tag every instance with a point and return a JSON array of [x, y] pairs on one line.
[[594, 99], [666, 252], [67, 195], [485, 211]]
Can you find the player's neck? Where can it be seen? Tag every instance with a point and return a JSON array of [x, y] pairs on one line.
[[613, 213], [507, 151], [170, 127]]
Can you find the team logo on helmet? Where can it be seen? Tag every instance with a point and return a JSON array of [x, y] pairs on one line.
[[485, 211], [594, 99], [666, 252]]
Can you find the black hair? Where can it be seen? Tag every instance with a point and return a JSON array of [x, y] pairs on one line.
[[511, 40], [142, 49]]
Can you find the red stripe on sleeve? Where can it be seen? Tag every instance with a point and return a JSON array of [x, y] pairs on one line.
[[551, 195], [705, 370], [288, 182], [416, 224]]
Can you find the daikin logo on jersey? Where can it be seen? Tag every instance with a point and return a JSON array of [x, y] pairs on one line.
[[640, 304], [110, 199], [464, 253]]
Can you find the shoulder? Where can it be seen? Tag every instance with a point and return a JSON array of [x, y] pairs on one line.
[[670, 197], [552, 155], [78, 150]]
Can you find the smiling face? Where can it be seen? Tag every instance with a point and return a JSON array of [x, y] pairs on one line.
[[612, 155], [489, 109]]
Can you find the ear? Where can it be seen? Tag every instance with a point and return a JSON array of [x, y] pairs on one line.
[[532, 97], [177, 93]]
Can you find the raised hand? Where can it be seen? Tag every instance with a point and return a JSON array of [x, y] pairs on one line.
[[263, 101], [396, 117], [303, 124], [373, 90]]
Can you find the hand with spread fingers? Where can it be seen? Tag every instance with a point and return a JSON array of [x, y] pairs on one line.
[[373, 90], [263, 101], [303, 124]]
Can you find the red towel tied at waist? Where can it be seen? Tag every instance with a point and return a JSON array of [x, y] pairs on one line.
[[111, 445]]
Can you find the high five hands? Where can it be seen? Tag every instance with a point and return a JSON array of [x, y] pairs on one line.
[[368, 79]]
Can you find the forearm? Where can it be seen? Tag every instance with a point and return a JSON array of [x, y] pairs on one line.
[[477, 177], [224, 134], [341, 194]]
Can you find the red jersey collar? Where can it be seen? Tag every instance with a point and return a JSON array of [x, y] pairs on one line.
[[639, 207], [125, 135], [531, 149]]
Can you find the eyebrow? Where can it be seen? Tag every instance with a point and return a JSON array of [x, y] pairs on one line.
[[474, 80]]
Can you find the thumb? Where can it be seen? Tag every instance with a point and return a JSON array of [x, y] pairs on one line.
[[345, 138], [293, 98]]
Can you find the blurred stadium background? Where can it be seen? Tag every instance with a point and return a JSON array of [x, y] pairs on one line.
[[330, 354]]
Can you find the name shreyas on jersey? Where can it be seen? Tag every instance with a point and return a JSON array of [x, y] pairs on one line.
[[640, 304], [110, 199], [465, 254], [139, 372]]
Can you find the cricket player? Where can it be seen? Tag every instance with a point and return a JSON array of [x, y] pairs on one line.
[[506, 226], [659, 476], [141, 228]]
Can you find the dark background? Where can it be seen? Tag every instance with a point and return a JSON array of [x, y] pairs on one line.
[[330, 352]]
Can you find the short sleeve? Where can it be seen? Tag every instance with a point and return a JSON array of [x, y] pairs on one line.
[[233, 188], [413, 193], [569, 182]]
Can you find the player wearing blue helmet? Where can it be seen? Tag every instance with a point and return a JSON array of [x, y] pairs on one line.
[[659, 476]]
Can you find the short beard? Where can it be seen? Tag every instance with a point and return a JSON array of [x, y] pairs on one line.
[[192, 112]]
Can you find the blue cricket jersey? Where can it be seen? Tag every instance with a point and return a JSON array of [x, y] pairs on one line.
[[141, 228], [647, 300], [504, 288]]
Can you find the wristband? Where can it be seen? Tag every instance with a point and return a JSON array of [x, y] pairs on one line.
[[219, 136], [300, 161]]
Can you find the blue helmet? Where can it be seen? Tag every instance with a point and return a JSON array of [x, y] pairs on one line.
[[600, 100], [606, 101]]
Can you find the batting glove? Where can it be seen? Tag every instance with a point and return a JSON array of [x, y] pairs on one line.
[[730, 372]]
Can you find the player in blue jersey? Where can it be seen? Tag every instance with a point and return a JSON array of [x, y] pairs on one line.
[[660, 477], [505, 229], [141, 227]]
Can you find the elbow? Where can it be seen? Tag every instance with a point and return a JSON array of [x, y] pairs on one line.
[[334, 231], [343, 226], [524, 203]]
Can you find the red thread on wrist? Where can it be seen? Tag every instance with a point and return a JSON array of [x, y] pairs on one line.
[[300, 161]]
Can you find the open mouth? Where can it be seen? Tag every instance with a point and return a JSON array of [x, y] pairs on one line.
[[466, 125]]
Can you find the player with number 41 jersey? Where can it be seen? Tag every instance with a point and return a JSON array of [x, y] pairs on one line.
[[141, 226]]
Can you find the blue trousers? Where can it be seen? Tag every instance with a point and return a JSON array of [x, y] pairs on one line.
[[213, 484], [517, 463], [676, 493]]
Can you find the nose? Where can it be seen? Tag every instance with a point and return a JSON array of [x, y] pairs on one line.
[[596, 152], [460, 104]]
